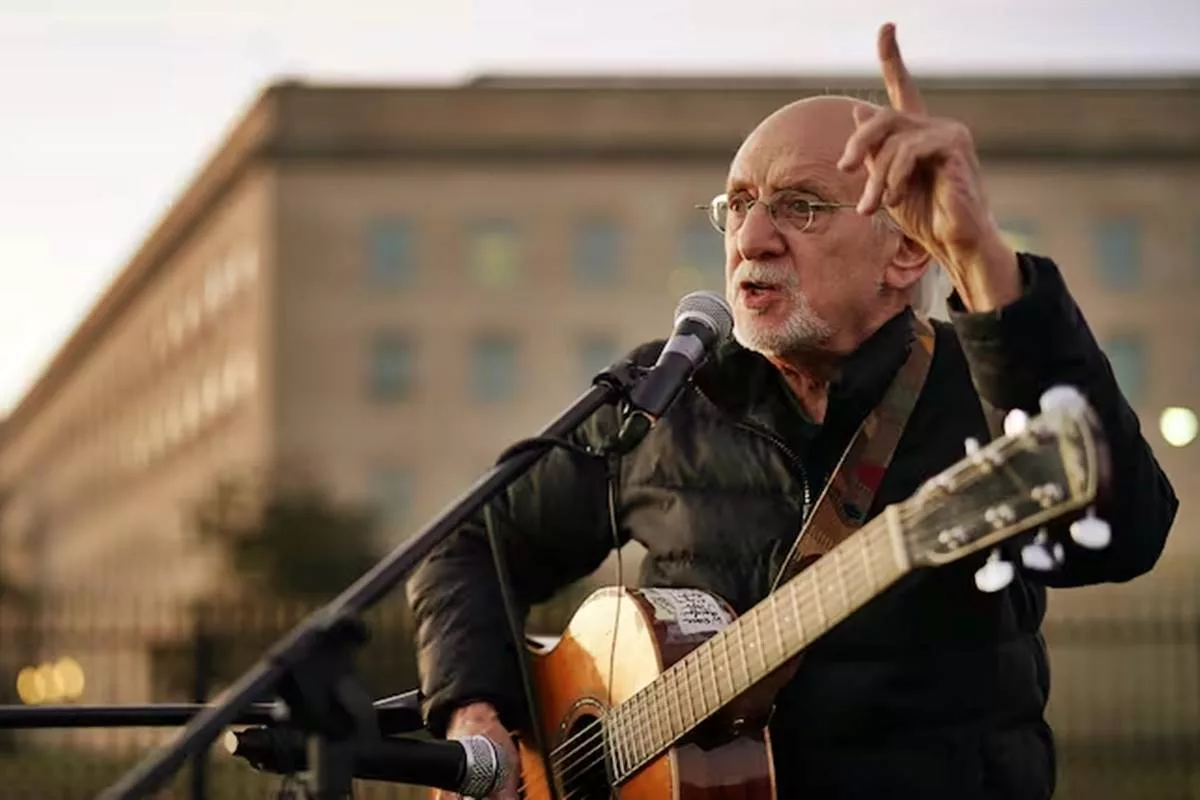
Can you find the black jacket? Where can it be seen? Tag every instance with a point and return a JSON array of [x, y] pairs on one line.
[[934, 689]]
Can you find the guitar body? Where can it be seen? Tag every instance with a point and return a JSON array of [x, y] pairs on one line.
[[617, 642], [683, 690]]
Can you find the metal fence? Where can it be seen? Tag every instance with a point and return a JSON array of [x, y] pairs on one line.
[[1125, 705]]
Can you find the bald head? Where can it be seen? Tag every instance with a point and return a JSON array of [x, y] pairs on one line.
[[806, 133]]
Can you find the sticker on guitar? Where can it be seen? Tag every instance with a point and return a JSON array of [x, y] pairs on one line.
[[692, 610]]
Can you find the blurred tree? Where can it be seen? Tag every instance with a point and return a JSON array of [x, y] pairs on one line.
[[290, 548], [290, 541]]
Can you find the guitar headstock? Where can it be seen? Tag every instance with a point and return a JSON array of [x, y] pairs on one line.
[[1043, 468]]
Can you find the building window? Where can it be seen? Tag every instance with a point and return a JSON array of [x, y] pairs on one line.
[[391, 494], [494, 377], [596, 352], [391, 367], [1117, 248], [1020, 234], [597, 253], [392, 253], [700, 258], [1127, 355], [493, 256]]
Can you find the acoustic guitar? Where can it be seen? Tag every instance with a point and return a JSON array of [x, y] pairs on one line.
[[662, 693]]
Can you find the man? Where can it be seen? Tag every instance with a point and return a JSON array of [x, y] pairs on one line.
[[833, 211]]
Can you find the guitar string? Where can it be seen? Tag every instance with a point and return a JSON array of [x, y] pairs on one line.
[[581, 763], [570, 760], [641, 718], [567, 757]]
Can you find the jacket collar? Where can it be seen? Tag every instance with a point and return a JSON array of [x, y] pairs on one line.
[[745, 384]]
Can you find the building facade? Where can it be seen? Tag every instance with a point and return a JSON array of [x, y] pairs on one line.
[[383, 287]]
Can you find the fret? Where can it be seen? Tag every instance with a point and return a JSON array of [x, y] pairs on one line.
[[733, 684], [642, 734], [822, 622], [866, 559], [748, 679], [688, 693], [758, 638], [716, 685], [778, 632], [670, 694], [697, 672], [629, 736], [671, 681], [841, 581], [614, 731], [654, 718], [795, 593]]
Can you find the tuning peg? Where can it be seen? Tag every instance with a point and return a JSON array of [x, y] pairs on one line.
[[1091, 531], [1062, 398], [1015, 422], [1041, 554], [971, 445], [995, 574]]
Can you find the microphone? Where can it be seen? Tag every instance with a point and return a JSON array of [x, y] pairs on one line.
[[702, 319], [473, 766]]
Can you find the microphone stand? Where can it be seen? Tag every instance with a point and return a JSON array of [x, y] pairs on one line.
[[311, 668], [396, 714]]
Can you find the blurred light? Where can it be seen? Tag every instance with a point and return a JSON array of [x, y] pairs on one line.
[[1178, 426], [52, 684], [70, 676], [31, 686]]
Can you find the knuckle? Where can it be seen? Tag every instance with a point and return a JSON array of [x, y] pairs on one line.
[[960, 134]]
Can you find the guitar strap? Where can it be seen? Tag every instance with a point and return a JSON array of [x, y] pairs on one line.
[[846, 500]]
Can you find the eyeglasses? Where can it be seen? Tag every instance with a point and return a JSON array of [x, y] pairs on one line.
[[789, 207]]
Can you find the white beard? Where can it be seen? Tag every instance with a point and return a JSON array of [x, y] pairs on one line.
[[802, 327]]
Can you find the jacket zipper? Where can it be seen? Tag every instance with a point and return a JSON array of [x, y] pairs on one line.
[[788, 452]]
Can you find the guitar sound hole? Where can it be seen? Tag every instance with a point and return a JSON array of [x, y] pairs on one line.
[[582, 768]]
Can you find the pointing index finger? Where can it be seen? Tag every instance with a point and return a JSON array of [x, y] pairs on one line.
[[901, 88]]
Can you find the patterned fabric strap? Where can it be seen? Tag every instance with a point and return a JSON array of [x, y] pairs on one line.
[[846, 500]]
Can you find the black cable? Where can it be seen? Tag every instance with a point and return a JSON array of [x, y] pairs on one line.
[[516, 627], [515, 624], [542, 443]]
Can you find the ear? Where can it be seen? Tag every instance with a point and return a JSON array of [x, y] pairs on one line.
[[908, 264]]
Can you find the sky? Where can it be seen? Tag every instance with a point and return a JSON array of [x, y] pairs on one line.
[[109, 107]]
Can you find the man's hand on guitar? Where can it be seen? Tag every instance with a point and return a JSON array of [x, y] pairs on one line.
[[481, 719]]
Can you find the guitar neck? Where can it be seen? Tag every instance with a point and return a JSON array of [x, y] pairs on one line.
[[755, 645]]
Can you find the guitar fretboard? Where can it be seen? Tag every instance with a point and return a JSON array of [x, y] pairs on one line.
[[752, 647]]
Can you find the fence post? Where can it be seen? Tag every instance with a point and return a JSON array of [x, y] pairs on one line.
[[202, 652]]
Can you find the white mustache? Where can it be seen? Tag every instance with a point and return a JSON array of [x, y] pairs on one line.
[[757, 272]]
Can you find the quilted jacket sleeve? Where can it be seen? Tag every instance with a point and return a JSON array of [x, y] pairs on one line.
[[554, 526], [1042, 340]]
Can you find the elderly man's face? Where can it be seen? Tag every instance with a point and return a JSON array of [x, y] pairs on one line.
[[795, 289]]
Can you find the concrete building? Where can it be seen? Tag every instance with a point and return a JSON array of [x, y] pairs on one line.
[[385, 286]]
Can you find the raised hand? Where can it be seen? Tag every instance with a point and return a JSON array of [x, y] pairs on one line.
[[924, 170]]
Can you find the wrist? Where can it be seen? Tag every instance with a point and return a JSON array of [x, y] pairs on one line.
[[986, 275]]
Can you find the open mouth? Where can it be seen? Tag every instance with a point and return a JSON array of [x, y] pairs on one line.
[[758, 286]]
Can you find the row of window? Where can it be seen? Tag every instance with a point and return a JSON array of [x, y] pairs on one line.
[[190, 410], [1116, 248], [178, 321], [494, 252], [495, 369], [494, 366], [495, 258], [223, 278]]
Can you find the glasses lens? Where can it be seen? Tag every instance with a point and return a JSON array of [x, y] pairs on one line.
[[792, 209]]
